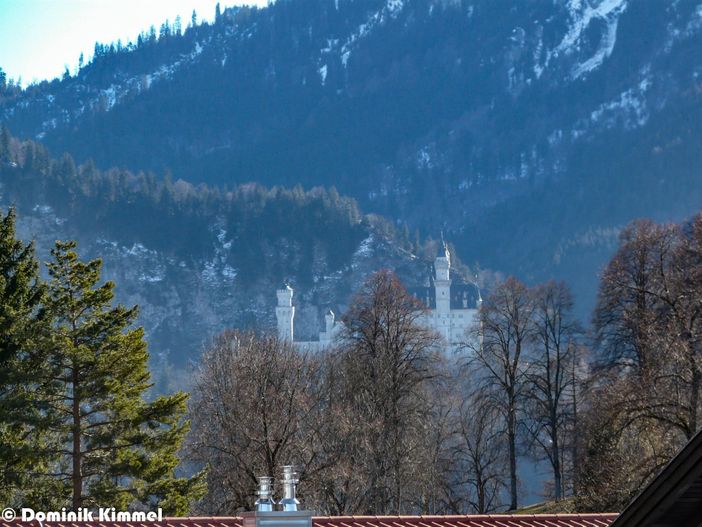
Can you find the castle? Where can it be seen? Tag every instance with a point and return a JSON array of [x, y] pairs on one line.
[[285, 315], [451, 309]]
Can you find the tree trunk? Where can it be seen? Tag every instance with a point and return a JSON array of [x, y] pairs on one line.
[[555, 454], [574, 445], [481, 496], [76, 476], [694, 399], [557, 478], [512, 439]]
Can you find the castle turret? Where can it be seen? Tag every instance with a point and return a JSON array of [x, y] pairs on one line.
[[442, 281], [329, 322], [326, 336], [285, 313]]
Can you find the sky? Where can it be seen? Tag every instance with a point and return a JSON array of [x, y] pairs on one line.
[[39, 38]]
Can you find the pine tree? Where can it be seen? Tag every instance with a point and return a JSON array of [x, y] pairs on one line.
[[118, 448], [21, 325], [4, 144]]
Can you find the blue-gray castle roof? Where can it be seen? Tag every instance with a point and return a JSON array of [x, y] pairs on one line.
[[463, 296]]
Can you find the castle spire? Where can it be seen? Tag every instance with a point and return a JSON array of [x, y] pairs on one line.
[[285, 313]]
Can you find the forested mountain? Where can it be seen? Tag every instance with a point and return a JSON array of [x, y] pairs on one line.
[[198, 260], [531, 132]]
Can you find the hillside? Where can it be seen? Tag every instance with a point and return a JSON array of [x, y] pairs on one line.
[[198, 260], [530, 132]]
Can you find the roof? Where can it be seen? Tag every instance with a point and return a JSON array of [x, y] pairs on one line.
[[463, 296], [491, 520], [674, 497], [482, 520]]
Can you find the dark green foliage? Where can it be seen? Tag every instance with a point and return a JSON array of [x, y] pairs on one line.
[[114, 446], [22, 325], [76, 427], [4, 144], [179, 219]]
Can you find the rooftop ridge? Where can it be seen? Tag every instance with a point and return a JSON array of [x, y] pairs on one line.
[[498, 515], [437, 520]]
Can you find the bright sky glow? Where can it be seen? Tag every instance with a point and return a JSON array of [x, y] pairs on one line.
[[39, 38]]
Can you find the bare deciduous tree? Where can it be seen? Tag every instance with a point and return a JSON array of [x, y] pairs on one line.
[[648, 321], [498, 345], [480, 455], [254, 408], [551, 378], [650, 338], [388, 360], [627, 311]]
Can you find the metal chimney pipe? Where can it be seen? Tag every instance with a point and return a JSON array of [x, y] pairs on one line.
[[289, 481], [265, 502]]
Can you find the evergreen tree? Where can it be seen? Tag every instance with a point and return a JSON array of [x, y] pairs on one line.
[[117, 447], [4, 144], [22, 323], [165, 30]]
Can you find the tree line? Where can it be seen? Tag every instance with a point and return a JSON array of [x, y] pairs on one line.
[[385, 423], [176, 217]]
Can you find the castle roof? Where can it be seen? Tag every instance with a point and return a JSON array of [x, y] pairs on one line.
[[463, 296]]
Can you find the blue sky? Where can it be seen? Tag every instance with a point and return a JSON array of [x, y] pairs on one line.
[[39, 38]]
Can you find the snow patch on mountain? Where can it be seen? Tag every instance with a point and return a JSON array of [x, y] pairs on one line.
[[323, 74], [677, 34], [105, 99], [583, 14], [631, 103], [43, 209], [394, 6], [391, 9], [110, 97], [629, 110], [364, 251]]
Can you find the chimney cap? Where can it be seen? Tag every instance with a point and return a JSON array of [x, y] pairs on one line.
[[290, 480], [265, 501]]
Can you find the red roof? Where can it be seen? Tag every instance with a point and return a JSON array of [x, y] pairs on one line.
[[488, 520]]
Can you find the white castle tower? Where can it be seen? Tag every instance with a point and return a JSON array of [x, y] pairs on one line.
[[442, 282], [329, 321], [451, 310], [285, 313], [331, 328]]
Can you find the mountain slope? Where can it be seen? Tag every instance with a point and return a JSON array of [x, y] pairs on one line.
[[530, 131], [198, 260]]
